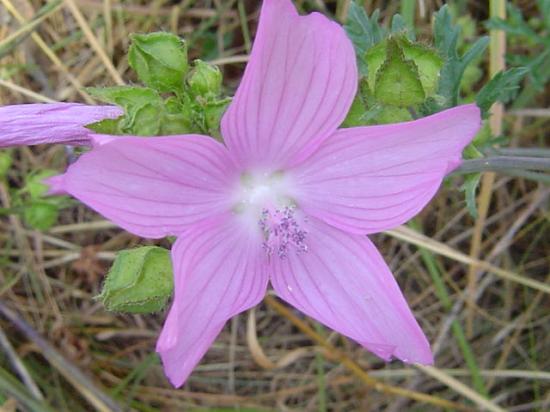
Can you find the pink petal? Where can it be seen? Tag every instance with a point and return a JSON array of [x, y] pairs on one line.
[[219, 272], [152, 187], [369, 179], [30, 124], [343, 282], [296, 90]]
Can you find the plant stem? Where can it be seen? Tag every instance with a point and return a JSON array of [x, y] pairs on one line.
[[504, 163]]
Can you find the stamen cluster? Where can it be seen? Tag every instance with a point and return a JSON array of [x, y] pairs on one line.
[[282, 231]]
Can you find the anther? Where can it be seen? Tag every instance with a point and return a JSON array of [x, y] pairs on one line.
[[282, 232]]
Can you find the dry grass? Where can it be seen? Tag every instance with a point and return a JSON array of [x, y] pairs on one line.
[[60, 348]]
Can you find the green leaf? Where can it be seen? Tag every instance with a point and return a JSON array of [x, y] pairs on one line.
[[446, 36], [399, 26], [397, 81], [5, 163], [41, 215], [160, 60], [140, 281], [502, 88], [470, 188], [363, 31], [515, 24]]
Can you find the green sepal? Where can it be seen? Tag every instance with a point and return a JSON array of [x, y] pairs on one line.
[[391, 114], [140, 281], [398, 81], [213, 112], [143, 109], [177, 118], [428, 62], [160, 60]]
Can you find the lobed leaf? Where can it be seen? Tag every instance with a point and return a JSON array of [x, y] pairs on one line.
[[502, 88]]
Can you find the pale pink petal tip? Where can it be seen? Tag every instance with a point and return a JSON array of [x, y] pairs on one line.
[[344, 283], [296, 90], [32, 124], [379, 177], [218, 273], [55, 184], [101, 139]]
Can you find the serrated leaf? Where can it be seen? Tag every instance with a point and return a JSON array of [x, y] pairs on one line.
[[470, 189], [397, 81], [399, 26], [364, 32], [446, 37], [160, 60], [503, 87]]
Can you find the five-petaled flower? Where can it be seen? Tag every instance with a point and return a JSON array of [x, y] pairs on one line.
[[287, 199]]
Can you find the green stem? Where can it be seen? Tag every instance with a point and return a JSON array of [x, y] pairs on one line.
[[504, 163], [521, 151], [408, 10]]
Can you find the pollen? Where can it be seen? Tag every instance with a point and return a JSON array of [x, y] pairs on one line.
[[282, 232]]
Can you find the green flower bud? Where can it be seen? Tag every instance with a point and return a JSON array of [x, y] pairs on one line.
[[160, 60], [5, 163], [205, 79], [34, 185], [140, 281], [40, 215]]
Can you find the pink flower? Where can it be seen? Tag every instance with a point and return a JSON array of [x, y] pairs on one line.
[[288, 198], [30, 124]]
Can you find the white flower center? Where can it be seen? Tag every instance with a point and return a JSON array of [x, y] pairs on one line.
[[265, 203]]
